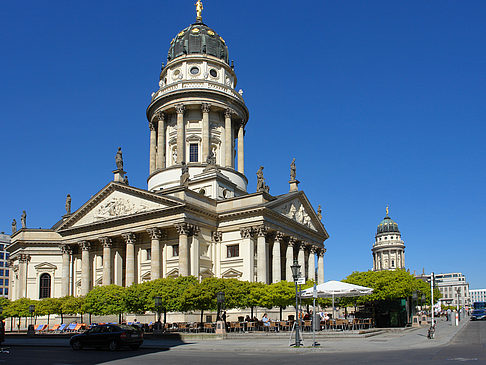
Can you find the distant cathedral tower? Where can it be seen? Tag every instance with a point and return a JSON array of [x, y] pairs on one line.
[[388, 249]]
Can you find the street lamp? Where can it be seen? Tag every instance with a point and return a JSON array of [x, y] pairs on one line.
[[31, 310], [414, 300], [158, 304], [296, 274], [219, 301]]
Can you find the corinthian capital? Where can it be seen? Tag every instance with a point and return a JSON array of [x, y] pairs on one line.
[[85, 245], [24, 257], [66, 249], [205, 107], [152, 126], [246, 232], [217, 236], [183, 228], [155, 233], [261, 231], [228, 112], [129, 237], [180, 108], [106, 242], [159, 116]]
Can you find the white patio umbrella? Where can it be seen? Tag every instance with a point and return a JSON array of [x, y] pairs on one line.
[[336, 289]]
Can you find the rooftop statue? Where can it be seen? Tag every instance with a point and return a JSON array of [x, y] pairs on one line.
[[199, 9], [23, 219], [119, 159], [319, 212], [68, 204], [14, 226], [293, 170], [184, 175], [261, 185], [125, 180]]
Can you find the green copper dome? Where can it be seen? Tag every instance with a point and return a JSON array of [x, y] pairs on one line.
[[198, 38], [387, 225]]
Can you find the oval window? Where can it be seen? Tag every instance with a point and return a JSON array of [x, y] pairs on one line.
[[213, 72], [194, 70]]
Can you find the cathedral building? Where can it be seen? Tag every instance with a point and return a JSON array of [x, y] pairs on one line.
[[388, 249], [196, 216]]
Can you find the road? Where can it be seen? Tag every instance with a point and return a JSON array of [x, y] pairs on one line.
[[468, 346]]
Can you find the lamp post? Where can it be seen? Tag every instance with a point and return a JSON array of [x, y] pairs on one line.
[[220, 302], [296, 274], [158, 304], [31, 310], [414, 300]]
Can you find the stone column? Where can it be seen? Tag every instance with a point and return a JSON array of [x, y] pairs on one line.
[[23, 261], [216, 238], [241, 148], [320, 266], [247, 251], [107, 243], [85, 267], [301, 258], [312, 264], [153, 141], [403, 259], [160, 140], [130, 240], [181, 143], [206, 138], [183, 229], [195, 252], [228, 153], [66, 260], [156, 236], [289, 259], [262, 254], [276, 259]]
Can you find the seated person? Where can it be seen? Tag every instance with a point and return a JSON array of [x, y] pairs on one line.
[[247, 318], [266, 320]]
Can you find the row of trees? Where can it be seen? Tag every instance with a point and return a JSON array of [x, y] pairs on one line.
[[185, 294]]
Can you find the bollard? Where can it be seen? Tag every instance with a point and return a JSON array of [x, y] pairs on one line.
[[457, 318]]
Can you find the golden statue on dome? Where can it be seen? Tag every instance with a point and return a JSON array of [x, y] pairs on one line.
[[199, 9], [387, 209]]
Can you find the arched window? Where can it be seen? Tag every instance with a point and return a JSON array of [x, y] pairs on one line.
[[45, 286]]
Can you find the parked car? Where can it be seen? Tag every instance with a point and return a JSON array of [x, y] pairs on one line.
[[478, 314], [112, 336]]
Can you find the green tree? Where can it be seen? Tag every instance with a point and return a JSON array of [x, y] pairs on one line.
[[279, 294], [73, 306], [104, 300], [138, 296], [49, 306], [19, 308]]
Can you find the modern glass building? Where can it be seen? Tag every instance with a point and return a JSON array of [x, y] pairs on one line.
[[4, 270]]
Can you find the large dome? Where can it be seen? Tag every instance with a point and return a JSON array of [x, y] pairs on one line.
[[387, 225], [198, 38]]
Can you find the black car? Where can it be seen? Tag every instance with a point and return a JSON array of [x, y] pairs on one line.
[[112, 336], [478, 314]]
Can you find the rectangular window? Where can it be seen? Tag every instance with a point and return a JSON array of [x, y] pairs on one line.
[[1, 282], [193, 152], [6, 272], [1, 272], [7, 255], [1, 263], [1, 291], [175, 250], [233, 251], [149, 254], [6, 291], [1, 255], [6, 282], [1, 247]]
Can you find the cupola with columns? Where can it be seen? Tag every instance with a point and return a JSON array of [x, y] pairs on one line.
[[388, 249], [197, 117]]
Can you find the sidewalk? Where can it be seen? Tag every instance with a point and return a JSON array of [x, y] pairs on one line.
[[388, 340]]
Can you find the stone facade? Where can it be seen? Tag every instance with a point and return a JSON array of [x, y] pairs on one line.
[[388, 249], [210, 225]]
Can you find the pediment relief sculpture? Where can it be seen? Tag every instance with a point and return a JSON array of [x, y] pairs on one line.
[[117, 207], [295, 210]]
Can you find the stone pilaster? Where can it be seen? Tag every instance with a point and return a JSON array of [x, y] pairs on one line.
[[241, 148], [216, 238], [195, 252], [107, 244], [276, 258], [130, 240], [228, 153], [85, 267], [206, 148], [23, 262], [184, 230], [160, 160], [262, 254], [155, 246], [247, 251], [289, 258], [181, 144], [153, 141], [66, 260]]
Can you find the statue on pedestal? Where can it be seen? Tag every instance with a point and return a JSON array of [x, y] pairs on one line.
[[119, 159], [68, 204], [293, 170], [23, 219], [261, 185], [125, 180], [319, 212], [14, 226], [184, 175]]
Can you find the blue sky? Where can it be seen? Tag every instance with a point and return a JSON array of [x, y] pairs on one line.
[[380, 102]]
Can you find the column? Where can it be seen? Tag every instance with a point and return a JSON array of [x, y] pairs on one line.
[[11, 276], [23, 260], [160, 160], [106, 243], [241, 148], [301, 258], [181, 143], [261, 254], [66, 259], [247, 251], [228, 153], [403, 259], [312, 264], [195, 254], [130, 240], [153, 139], [320, 266], [183, 230], [217, 237], [155, 235], [85, 267], [206, 145], [276, 259], [289, 260], [164, 260]]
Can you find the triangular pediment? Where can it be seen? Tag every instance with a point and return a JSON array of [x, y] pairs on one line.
[[232, 273], [116, 201], [297, 207], [45, 266]]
